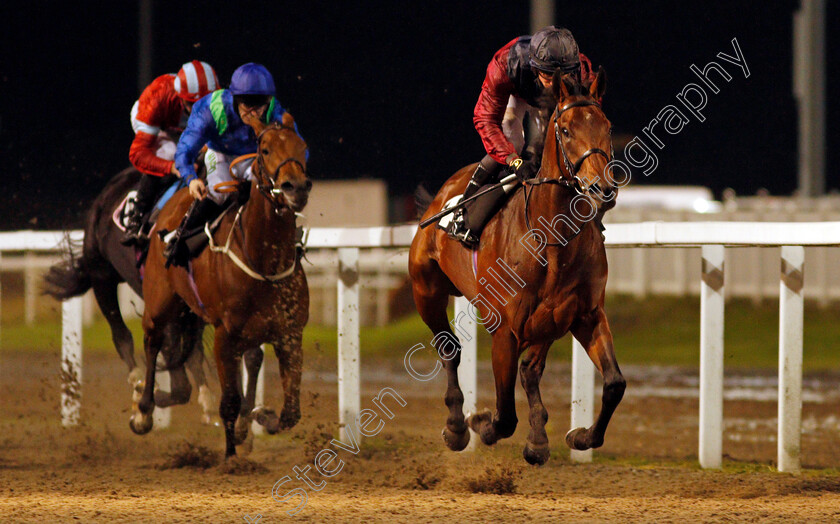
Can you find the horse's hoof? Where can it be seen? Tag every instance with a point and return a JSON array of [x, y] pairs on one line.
[[456, 441], [482, 423], [240, 431], [267, 418], [211, 420], [477, 420], [141, 426], [288, 420], [247, 445], [576, 439], [535, 455]]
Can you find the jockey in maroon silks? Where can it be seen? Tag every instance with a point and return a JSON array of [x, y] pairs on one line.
[[517, 77]]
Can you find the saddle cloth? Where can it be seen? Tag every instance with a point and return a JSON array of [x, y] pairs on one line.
[[121, 213]]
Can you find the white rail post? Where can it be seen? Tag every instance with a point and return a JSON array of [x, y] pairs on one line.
[[467, 369], [583, 396], [640, 273], [71, 361], [790, 357], [1, 293], [711, 357], [348, 339], [162, 416], [259, 397], [30, 286]]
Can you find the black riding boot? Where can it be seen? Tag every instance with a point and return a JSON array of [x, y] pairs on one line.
[[486, 170], [147, 191], [133, 223], [200, 213]]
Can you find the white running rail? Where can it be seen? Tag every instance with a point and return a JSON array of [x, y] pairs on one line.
[[714, 237]]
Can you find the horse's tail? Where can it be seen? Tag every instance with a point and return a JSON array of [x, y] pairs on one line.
[[422, 200], [68, 278]]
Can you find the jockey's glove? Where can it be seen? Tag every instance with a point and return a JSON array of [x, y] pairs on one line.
[[523, 170]]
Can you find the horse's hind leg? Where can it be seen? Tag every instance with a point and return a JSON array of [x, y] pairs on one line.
[[105, 292], [195, 365], [141, 421], [179, 385], [593, 332], [181, 389], [431, 301], [503, 423], [530, 373]]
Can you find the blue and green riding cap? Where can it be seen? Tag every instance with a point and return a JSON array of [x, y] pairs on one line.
[[252, 79]]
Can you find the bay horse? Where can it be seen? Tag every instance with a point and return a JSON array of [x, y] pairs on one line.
[[103, 264], [252, 291], [554, 264]]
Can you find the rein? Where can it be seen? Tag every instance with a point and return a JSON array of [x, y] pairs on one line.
[[574, 182]]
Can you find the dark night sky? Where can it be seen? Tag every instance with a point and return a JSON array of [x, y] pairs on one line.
[[387, 89]]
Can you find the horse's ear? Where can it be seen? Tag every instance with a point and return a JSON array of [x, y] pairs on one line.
[[288, 121], [562, 85], [256, 124], [596, 90]]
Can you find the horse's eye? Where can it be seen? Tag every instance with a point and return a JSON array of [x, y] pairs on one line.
[[565, 132], [265, 151]]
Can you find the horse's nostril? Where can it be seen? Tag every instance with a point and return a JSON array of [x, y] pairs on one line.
[[308, 185], [287, 186]]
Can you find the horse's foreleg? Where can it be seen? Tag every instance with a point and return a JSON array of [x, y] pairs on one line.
[[503, 423], [530, 373], [253, 359], [228, 368], [290, 354], [593, 332], [141, 421]]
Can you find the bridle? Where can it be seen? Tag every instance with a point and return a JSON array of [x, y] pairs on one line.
[[573, 181], [581, 185], [267, 183]]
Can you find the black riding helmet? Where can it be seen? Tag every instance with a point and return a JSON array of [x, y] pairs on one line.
[[554, 48]]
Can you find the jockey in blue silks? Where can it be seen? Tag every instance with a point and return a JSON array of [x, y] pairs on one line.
[[218, 121]]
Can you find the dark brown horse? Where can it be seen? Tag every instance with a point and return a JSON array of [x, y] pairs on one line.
[[540, 272], [255, 293], [102, 265]]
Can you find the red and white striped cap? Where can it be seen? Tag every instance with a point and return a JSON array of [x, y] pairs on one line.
[[194, 80]]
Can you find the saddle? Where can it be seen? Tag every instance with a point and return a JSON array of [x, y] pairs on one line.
[[475, 215]]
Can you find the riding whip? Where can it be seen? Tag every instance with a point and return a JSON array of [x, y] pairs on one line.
[[505, 181]]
